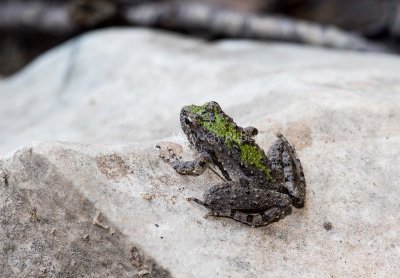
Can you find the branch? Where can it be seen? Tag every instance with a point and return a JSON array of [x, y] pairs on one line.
[[202, 17], [55, 18], [78, 15], [38, 16]]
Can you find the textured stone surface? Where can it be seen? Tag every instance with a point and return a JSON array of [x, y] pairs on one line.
[[48, 228], [340, 109]]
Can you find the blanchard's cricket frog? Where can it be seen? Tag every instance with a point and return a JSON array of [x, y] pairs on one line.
[[258, 188]]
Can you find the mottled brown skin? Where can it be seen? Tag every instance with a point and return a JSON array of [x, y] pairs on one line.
[[256, 191]]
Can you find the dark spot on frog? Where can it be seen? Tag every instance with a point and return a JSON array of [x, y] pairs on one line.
[[327, 225], [156, 225], [113, 166]]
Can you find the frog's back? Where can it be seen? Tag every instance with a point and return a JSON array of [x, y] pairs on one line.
[[235, 152], [243, 159]]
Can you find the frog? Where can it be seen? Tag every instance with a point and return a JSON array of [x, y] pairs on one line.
[[257, 188]]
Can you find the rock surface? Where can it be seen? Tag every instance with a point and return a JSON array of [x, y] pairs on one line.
[[110, 207]]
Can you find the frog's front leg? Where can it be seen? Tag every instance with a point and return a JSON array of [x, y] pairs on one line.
[[286, 167], [195, 167]]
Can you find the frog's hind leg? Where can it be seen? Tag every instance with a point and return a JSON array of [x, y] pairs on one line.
[[286, 166], [254, 219]]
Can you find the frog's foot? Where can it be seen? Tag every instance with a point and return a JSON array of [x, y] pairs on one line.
[[287, 167], [200, 202], [254, 219], [169, 151], [195, 167]]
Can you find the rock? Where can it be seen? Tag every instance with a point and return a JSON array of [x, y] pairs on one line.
[[47, 227], [116, 209]]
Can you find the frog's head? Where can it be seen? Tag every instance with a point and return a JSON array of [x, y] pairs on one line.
[[195, 118]]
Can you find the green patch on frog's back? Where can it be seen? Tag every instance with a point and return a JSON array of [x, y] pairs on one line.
[[195, 109], [222, 127]]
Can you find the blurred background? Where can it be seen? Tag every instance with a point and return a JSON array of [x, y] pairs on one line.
[[30, 27]]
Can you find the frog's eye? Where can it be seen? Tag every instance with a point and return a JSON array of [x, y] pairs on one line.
[[191, 122], [213, 105]]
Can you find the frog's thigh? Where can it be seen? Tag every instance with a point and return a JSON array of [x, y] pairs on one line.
[[281, 207], [195, 167], [294, 181], [263, 218], [255, 220], [285, 164]]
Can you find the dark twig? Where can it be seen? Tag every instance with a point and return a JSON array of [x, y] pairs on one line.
[[202, 17], [66, 19], [38, 16]]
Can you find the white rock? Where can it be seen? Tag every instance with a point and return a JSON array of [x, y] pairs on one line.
[[341, 110]]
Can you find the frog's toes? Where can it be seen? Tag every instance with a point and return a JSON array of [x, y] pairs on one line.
[[200, 202], [169, 151]]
